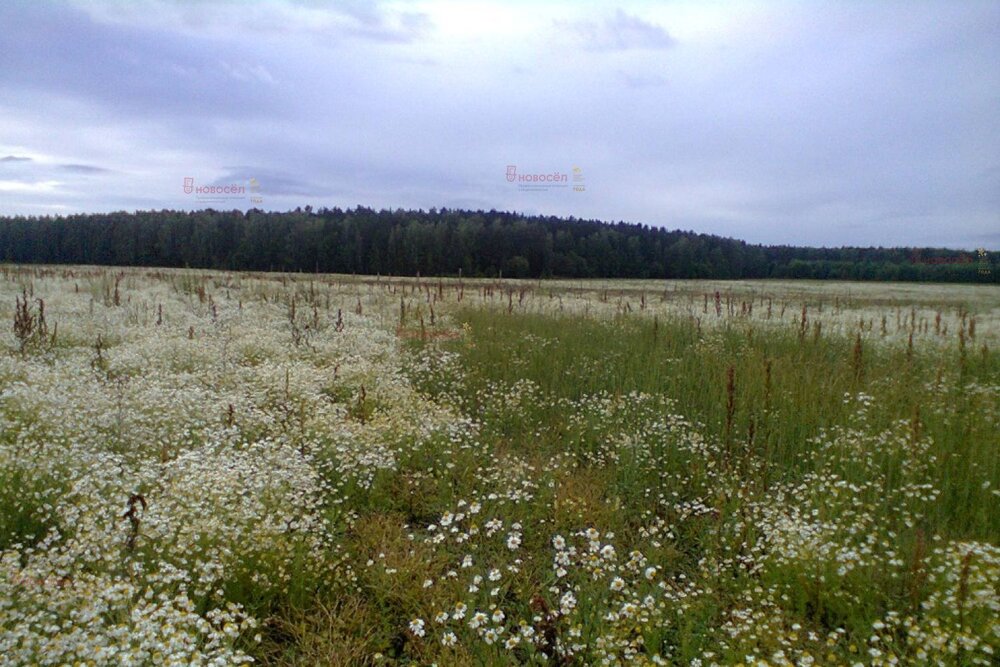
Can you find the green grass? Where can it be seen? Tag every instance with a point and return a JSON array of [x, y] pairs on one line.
[[630, 487], [571, 357]]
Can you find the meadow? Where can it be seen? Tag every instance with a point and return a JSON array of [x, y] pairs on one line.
[[207, 468]]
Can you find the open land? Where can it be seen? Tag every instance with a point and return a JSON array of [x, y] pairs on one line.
[[211, 468]]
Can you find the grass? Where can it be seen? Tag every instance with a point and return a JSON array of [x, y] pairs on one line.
[[790, 390], [549, 475]]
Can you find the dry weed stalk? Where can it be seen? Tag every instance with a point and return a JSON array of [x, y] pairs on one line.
[[132, 514], [30, 328], [730, 406], [24, 321], [857, 358], [918, 569]]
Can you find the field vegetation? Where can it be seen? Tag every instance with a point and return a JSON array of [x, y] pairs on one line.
[[289, 469]]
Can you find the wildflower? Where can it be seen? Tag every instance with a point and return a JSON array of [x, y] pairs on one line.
[[417, 627], [567, 602]]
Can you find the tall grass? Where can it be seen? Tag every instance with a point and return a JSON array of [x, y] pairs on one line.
[[788, 388], [320, 470]]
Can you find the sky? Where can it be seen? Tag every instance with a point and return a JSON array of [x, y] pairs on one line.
[[802, 123]]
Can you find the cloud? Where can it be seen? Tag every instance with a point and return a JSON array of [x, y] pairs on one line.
[[29, 187], [248, 73], [639, 81], [329, 24], [391, 27], [824, 122], [621, 32], [83, 169], [274, 182], [141, 69]]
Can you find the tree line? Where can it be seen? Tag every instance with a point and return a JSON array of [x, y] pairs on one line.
[[453, 242]]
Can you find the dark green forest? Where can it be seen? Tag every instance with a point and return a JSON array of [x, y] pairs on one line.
[[451, 242]]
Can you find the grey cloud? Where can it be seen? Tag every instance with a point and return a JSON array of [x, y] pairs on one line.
[[402, 28], [639, 81], [421, 62], [328, 23], [621, 32], [83, 169], [333, 24], [851, 124], [373, 20], [274, 182], [991, 240], [129, 68], [43, 169]]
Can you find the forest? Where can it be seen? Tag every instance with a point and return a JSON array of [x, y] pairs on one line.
[[449, 242]]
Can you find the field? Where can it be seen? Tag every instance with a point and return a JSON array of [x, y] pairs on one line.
[[219, 468]]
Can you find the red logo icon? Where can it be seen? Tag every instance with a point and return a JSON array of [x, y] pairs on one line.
[[188, 185], [511, 172]]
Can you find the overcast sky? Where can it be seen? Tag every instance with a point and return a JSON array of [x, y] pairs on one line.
[[808, 123]]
